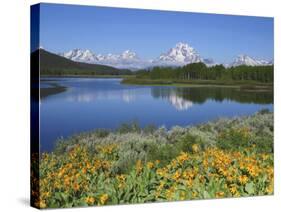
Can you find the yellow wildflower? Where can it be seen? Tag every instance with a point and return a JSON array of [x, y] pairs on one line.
[[76, 187], [161, 186], [233, 189], [42, 204], [170, 193], [103, 198], [174, 163], [243, 179], [219, 194], [149, 165], [269, 189], [176, 176], [195, 148], [182, 157], [121, 177], [194, 194], [182, 195], [162, 172], [189, 182], [90, 200]]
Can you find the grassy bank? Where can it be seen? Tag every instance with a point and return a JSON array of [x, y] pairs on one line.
[[243, 84], [223, 158]]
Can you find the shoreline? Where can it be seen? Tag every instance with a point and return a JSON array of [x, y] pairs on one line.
[[125, 80], [199, 83], [131, 80], [135, 128], [55, 89]]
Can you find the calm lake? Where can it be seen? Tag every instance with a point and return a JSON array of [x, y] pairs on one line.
[[89, 104]]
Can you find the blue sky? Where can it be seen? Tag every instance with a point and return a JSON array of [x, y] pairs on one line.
[[150, 33]]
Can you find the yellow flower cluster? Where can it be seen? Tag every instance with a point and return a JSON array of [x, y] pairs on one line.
[[72, 175], [217, 173], [84, 177]]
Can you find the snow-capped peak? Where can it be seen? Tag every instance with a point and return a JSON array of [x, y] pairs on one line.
[[244, 59], [184, 47], [80, 55], [128, 54], [126, 59], [181, 54]]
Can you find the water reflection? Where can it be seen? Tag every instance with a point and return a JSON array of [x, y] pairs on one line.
[[89, 104], [184, 98], [178, 102], [87, 96], [181, 98]]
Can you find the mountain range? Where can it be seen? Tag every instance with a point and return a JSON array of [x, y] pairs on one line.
[[181, 54], [249, 61], [126, 60], [53, 64]]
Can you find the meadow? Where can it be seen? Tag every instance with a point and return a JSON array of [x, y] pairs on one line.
[[218, 159]]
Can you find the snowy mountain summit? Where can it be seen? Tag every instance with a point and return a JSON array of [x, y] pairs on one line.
[[80, 55], [181, 54], [249, 61], [126, 59], [128, 54]]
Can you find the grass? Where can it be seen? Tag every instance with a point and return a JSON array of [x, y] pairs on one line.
[[223, 158], [181, 83]]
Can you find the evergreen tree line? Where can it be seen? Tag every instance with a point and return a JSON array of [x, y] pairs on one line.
[[199, 71]]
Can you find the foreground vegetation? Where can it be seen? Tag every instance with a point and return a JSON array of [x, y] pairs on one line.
[[224, 158]]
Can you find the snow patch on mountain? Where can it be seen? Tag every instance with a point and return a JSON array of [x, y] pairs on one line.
[[181, 54], [80, 55], [126, 59], [244, 59]]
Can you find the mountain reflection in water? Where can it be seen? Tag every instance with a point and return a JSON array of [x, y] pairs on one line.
[[89, 104]]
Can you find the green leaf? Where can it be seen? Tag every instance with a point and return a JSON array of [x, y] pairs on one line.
[[206, 195], [64, 196], [250, 189]]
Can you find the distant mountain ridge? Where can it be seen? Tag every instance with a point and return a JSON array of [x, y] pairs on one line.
[[53, 64], [249, 61], [126, 59], [181, 54]]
